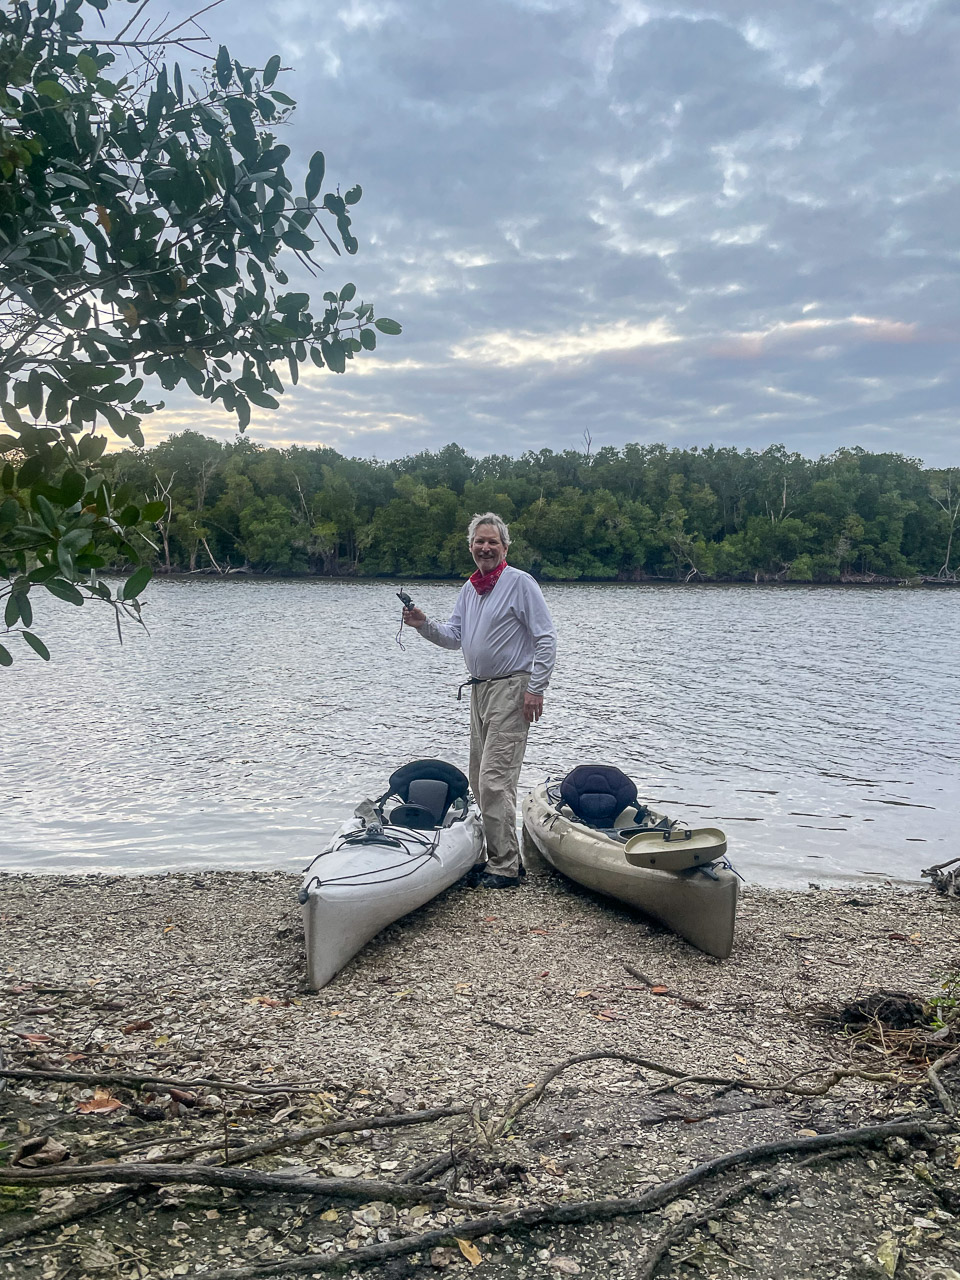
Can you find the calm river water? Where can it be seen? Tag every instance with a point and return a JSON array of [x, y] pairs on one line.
[[819, 727]]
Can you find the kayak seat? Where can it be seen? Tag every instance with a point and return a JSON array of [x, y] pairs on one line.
[[597, 794], [415, 817], [431, 794], [432, 785]]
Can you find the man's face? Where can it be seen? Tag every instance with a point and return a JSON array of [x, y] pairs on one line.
[[486, 548]]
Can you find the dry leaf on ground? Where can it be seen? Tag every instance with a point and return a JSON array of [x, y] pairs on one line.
[[102, 1103], [40, 1151], [469, 1251]]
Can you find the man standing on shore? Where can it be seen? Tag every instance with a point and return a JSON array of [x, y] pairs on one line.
[[502, 624]]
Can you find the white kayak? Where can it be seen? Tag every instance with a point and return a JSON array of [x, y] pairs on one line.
[[396, 854], [675, 874]]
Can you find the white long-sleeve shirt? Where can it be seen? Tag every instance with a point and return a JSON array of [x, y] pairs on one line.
[[507, 630]]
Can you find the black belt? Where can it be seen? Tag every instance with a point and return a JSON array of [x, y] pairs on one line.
[[486, 680]]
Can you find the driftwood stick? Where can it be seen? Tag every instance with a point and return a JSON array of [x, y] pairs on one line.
[[40, 988], [940, 866], [933, 1075], [673, 995], [130, 1081], [300, 1137], [434, 1167], [360, 1189], [577, 1211], [522, 1030]]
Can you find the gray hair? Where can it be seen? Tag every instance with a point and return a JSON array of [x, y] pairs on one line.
[[489, 517]]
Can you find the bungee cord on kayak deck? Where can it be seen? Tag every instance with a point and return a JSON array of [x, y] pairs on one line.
[[380, 837]]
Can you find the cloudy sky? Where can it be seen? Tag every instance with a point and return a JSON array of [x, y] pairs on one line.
[[730, 224]]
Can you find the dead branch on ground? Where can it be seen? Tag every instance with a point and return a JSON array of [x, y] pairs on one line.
[[762, 1183], [581, 1211], [130, 1081], [659, 989], [933, 1075], [355, 1189]]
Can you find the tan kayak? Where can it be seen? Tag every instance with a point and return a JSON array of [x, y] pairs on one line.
[[673, 877]]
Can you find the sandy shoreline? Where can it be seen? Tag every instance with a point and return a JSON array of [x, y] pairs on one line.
[[548, 955], [469, 1000]]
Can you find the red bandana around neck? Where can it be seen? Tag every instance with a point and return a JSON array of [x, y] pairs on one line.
[[484, 582]]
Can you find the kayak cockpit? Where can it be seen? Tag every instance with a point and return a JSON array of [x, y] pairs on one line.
[[421, 796], [396, 853]]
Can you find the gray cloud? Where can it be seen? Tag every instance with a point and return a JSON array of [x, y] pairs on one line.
[[735, 228]]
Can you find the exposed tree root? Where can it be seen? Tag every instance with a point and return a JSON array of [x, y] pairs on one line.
[[933, 1075], [128, 1081], [670, 1239], [241, 1151], [762, 1183], [830, 1077], [418, 1185], [499, 1125], [300, 1137], [355, 1189], [532, 1216]]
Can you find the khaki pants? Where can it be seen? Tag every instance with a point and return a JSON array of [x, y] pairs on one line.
[[498, 739]]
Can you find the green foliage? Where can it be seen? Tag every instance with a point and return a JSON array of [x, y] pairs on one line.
[[637, 513], [147, 228], [944, 1007], [17, 1199]]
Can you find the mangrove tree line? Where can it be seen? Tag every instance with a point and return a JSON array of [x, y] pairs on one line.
[[632, 513]]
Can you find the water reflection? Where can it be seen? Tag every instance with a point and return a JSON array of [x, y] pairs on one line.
[[818, 726]]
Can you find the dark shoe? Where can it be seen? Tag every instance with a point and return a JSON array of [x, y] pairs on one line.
[[489, 880], [472, 878], [522, 872]]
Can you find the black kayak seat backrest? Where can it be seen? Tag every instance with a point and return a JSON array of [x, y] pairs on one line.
[[405, 783], [597, 793], [431, 794]]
